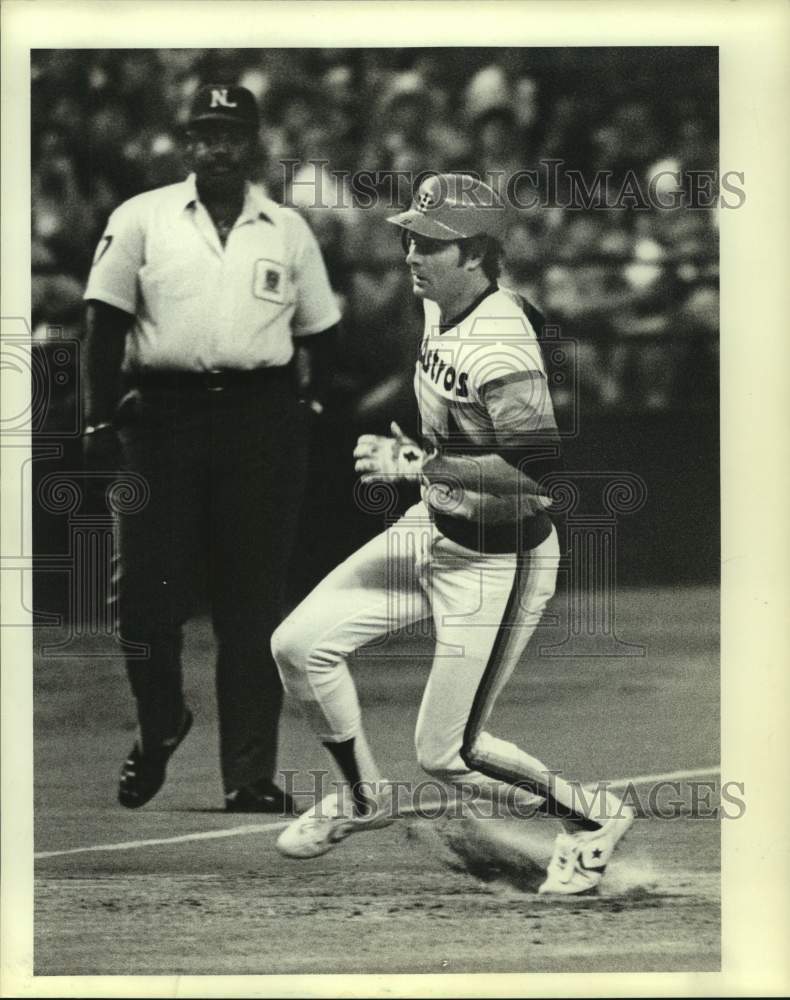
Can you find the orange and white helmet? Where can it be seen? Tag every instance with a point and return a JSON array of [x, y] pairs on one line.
[[453, 207]]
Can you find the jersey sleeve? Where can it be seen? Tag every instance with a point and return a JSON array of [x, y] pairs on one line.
[[525, 428], [502, 347], [117, 261], [520, 407], [316, 306], [514, 389]]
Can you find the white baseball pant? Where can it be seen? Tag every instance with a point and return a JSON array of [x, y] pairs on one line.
[[485, 608]]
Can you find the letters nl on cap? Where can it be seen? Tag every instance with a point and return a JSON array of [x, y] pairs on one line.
[[219, 98]]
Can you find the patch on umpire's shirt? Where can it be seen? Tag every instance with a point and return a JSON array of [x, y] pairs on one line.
[[269, 281]]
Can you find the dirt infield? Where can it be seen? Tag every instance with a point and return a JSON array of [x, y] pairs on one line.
[[387, 905], [443, 895]]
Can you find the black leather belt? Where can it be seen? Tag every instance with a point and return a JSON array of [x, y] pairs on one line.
[[213, 381]]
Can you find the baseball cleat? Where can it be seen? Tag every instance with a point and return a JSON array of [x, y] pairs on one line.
[[580, 859], [143, 774], [262, 796], [329, 821]]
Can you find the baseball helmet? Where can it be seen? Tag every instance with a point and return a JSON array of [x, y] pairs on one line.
[[221, 102], [453, 207]]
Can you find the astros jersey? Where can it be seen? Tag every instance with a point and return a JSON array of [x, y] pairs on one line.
[[201, 306], [481, 388]]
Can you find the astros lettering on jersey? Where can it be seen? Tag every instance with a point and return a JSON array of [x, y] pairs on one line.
[[481, 386]]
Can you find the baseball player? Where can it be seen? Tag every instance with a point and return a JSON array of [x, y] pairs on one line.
[[198, 296], [478, 552]]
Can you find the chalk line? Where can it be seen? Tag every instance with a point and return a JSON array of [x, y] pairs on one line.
[[251, 828]]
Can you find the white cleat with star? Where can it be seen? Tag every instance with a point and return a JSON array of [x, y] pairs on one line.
[[580, 859], [329, 821]]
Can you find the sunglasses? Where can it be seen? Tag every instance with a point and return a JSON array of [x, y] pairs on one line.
[[424, 245]]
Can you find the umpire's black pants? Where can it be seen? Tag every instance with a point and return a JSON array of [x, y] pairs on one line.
[[226, 469]]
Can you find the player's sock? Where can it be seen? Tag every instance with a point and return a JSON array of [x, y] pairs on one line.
[[572, 822], [356, 763], [576, 807]]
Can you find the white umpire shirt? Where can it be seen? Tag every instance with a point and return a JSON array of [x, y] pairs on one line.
[[199, 306]]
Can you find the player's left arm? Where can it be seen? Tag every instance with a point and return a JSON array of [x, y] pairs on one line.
[[481, 473], [525, 444]]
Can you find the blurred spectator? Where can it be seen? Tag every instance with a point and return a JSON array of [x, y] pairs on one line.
[[498, 146], [489, 88], [636, 288]]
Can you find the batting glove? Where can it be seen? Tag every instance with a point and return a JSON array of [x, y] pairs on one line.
[[381, 458]]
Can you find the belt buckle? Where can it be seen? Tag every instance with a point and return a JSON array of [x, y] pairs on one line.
[[212, 383]]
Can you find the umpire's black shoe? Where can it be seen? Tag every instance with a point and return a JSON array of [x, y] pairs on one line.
[[143, 774], [262, 796]]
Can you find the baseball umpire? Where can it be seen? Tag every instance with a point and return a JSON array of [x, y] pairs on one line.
[[199, 295], [478, 553]]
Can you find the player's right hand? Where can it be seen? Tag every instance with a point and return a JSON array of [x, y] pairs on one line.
[[381, 458]]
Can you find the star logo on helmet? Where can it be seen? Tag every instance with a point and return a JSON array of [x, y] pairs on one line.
[[425, 201]]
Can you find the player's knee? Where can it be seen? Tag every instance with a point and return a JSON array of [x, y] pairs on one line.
[[289, 649], [438, 759], [436, 754], [473, 755], [485, 752]]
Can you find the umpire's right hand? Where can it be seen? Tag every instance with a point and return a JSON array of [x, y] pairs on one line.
[[101, 449], [102, 461]]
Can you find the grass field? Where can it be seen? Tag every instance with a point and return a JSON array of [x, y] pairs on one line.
[[180, 887]]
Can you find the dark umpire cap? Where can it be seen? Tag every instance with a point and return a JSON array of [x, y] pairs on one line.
[[220, 102], [453, 207]]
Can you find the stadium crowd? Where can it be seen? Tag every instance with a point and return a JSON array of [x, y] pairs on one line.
[[635, 285]]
